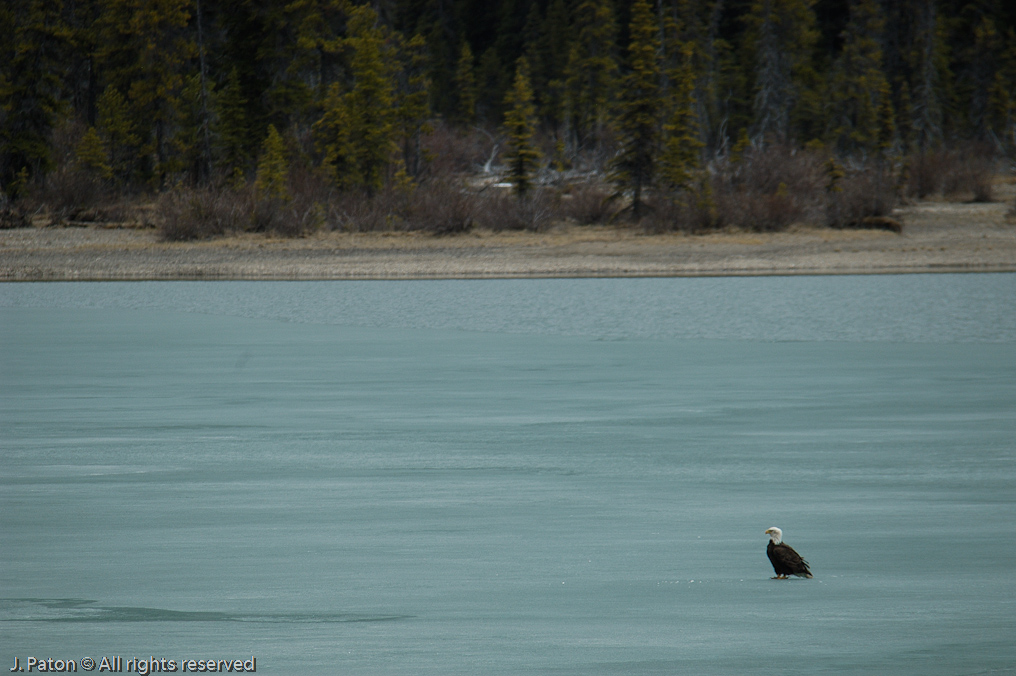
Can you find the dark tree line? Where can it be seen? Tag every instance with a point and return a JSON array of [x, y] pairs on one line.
[[161, 91]]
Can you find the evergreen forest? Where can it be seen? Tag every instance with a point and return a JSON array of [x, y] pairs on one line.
[[291, 115]]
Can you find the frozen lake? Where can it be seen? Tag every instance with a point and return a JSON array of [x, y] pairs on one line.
[[512, 477]]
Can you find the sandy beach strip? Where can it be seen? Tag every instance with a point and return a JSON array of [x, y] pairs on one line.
[[937, 237]]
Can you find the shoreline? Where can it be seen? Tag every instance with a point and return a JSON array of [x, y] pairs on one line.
[[938, 237]]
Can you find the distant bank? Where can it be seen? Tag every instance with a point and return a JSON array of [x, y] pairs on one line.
[[937, 237]]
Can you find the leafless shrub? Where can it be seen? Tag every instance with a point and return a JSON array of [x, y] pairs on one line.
[[863, 199], [441, 208], [689, 213], [766, 169], [971, 173], [12, 216], [964, 172], [769, 189], [274, 216], [191, 214], [758, 211], [984, 189], [503, 210], [358, 211], [588, 203], [924, 174], [200, 214], [73, 194]]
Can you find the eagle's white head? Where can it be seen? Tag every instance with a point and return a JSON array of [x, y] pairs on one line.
[[775, 535]]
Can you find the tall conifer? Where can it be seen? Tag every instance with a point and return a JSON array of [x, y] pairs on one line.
[[144, 46], [30, 90], [926, 103], [232, 129], [886, 140], [520, 127], [490, 86], [92, 155], [633, 170], [273, 170], [304, 55], [119, 132], [591, 73], [192, 132], [413, 96], [679, 160], [782, 34], [1002, 96], [556, 39], [358, 129], [465, 84], [858, 80]]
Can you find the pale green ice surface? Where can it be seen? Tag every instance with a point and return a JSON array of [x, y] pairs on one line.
[[512, 477]]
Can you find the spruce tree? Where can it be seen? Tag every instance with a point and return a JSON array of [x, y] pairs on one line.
[[30, 90], [591, 73], [231, 129], [119, 134], [490, 85], [81, 83], [309, 33], [926, 104], [633, 169], [509, 40], [92, 155], [190, 138], [413, 96], [272, 177], [782, 34], [1002, 96], [534, 50], [904, 117], [440, 28], [465, 83], [333, 136], [721, 93], [556, 39], [983, 59], [520, 127], [858, 81], [679, 161], [253, 43], [886, 141], [358, 129], [144, 46]]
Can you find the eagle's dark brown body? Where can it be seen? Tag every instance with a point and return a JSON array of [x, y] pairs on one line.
[[786, 561]]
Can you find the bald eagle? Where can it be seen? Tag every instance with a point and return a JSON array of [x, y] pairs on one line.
[[783, 557]]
